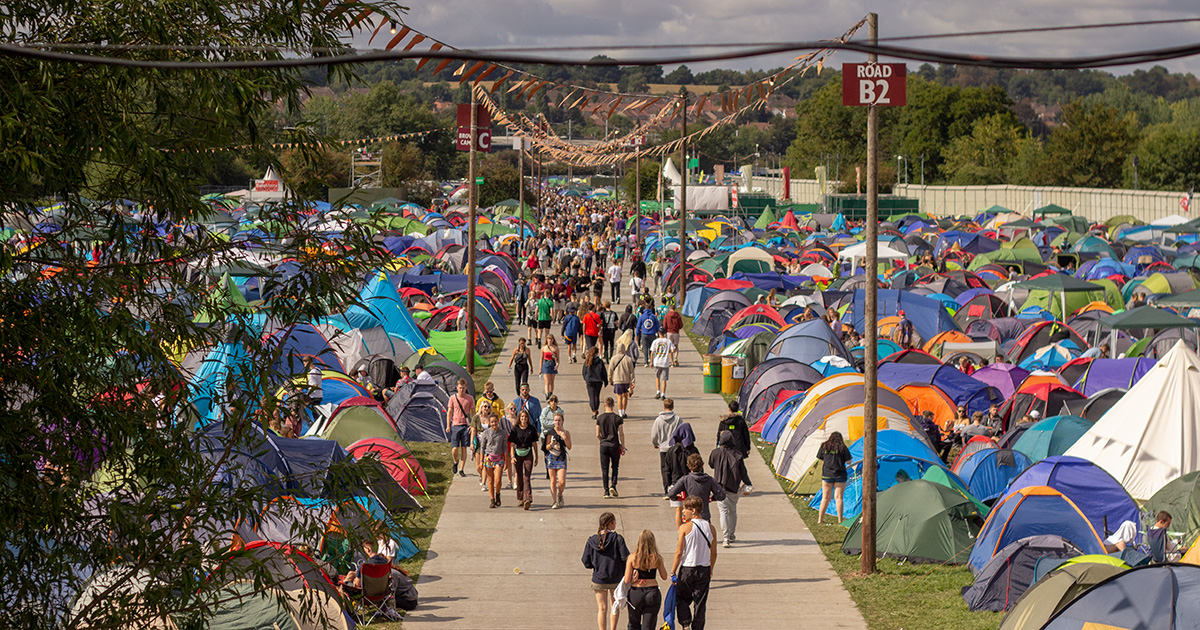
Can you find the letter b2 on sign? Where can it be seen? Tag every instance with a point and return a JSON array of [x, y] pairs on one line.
[[874, 84]]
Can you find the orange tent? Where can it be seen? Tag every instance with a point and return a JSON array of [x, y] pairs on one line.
[[1039, 377], [934, 346], [922, 398], [1095, 306]]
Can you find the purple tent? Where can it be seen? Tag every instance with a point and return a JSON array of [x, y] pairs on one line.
[[1104, 374], [1003, 376]]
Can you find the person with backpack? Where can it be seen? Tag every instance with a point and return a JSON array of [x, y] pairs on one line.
[[647, 329], [571, 328], [620, 373], [735, 424], [695, 483], [605, 554], [608, 329], [695, 558]]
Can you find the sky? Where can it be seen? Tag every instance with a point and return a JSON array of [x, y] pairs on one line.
[[540, 23]]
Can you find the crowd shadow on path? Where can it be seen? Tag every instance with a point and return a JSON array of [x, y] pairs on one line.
[[718, 583]]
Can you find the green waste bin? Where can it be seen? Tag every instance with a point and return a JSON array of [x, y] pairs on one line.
[[712, 374]]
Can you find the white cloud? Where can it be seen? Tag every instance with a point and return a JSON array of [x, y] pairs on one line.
[[540, 23]]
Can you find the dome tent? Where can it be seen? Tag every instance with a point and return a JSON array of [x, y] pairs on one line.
[[1028, 512], [1055, 590], [920, 521], [1007, 576], [1160, 596]]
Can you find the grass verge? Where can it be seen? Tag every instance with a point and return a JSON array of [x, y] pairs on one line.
[[899, 595], [435, 459]]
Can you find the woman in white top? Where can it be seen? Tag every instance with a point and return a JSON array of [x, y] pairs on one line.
[[695, 557]]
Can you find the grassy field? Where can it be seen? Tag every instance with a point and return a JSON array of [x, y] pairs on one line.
[[435, 459], [899, 595]]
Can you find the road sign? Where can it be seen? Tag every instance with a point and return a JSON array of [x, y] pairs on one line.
[[478, 181], [874, 84], [693, 163], [637, 141]]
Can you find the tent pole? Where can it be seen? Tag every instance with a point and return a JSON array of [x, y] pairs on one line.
[[1112, 343]]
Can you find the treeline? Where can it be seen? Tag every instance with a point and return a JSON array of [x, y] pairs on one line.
[[1107, 132]]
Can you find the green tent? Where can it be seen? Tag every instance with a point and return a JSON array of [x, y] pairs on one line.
[[1072, 293], [1058, 588], [766, 218], [1051, 210], [921, 521], [1180, 497], [452, 344], [940, 475], [351, 424]]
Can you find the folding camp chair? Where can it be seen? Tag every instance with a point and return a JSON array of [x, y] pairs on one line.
[[378, 598]]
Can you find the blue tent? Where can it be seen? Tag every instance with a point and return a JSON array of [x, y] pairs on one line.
[[295, 343], [382, 306], [891, 470], [777, 420], [1103, 268], [253, 461], [808, 342], [893, 442], [1033, 511], [1099, 497], [962, 389], [928, 316], [1164, 597], [208, 386], [971, 242], [771, 280], [987, 473], [1051, 437], [694, 299]]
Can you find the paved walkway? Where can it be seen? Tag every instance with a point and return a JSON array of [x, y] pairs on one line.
[[508, 568]]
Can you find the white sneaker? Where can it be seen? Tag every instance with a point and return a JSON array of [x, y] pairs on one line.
[[725, 543]]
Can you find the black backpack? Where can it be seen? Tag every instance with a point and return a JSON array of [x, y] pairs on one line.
[[608, 320]]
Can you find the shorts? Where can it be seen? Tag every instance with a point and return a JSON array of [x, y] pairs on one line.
[[460, 435], [621, 388], [549, 367], [603, 587], [662, 373], [559, 305], [570, 340], [543, 324], [673, 337], [554, 462], [491, 461], [839, 479]]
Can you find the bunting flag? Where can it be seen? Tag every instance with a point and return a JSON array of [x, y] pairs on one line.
[[358, 142]]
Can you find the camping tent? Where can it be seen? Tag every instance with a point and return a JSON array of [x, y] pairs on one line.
[[1181, 498], [1055, 590], [1097, 495], [987, 473], [1052, 436], [1030, 511], [920, 521], [1007, 576], [1159, 596], [1152, 435]]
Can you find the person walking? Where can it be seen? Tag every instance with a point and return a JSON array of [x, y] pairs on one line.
[[729, 470], [695, 560], [673, 324], [693, 483], [494, 443], [545, 308], [546, 419], [647, 330], [834, 456], [458, 426], [549, 366], [661, 433], [636, 284], [620, 373], [606, 555], [518, 364], [608, 329], [660, 357], [555, 444], [526, 402], [592, 323], [613, 274], [642, 572], [610, 432], [595, 376], [523, 439], [735, 424], [571, 329]]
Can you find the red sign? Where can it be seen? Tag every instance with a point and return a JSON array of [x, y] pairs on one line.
[[483, 122], [874, 84], [266, 185], [734, 194], [484, 141], [1185, 202]]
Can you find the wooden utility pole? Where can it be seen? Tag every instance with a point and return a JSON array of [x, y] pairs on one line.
[[871, 323], [637, 204], [682, 201], [473, 172], [521, 198]]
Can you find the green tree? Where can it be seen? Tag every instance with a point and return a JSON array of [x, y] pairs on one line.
[[103, 471], [648, 181], [501, 180], [825, 127], [680, 76], [987, 154], [1168, 158], [1090, 148], [311, 172]]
